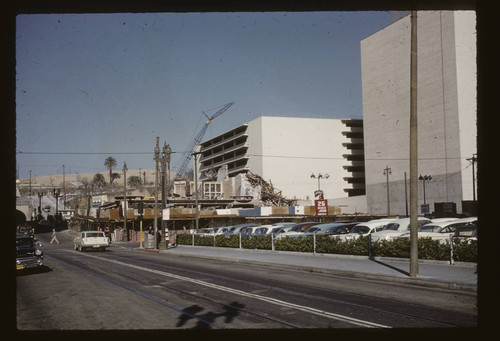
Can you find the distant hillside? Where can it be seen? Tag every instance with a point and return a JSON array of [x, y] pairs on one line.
[[57, 180]]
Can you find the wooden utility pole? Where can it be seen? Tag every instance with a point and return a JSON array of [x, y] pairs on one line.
[[413, 150]]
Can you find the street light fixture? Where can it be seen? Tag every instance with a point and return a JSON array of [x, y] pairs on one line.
[[424, 179], [319, 177]]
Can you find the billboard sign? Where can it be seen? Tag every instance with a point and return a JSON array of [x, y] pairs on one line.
[[321, 207]]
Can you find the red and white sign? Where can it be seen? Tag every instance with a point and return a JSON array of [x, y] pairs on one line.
[[321, 207]]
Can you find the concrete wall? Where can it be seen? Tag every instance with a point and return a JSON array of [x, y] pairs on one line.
[[291, 149], [446, 108]]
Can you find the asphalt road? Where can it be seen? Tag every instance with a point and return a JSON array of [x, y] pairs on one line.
[[122, 289]]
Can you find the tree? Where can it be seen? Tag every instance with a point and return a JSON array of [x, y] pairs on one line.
[[110, 162], [98, 180], [134, 180]]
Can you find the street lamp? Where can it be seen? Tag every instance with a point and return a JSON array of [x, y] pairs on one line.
[[319, 177], [387, 172], [125, 235], [40, 195], [56, 193], [157, 159], [424, 179], [165, 158]]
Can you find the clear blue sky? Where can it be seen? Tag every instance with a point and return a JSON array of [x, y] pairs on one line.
[[111, 83]]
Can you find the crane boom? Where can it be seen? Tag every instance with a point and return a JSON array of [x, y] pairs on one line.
[[187, 155]]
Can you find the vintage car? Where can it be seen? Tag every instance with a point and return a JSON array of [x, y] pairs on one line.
[[29, 252], [396, 228], [441, 230], [366, 228], [95, 240]]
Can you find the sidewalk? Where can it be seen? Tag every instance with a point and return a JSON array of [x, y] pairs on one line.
[[461, 276]]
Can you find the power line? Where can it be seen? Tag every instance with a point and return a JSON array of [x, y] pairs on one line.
[[86, 153]]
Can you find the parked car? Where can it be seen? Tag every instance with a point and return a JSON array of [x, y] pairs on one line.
[[249, 231], [441, 230], [396, 228], [95, 240], [298, 229], [29, 253], [366, 228], [320, 229], [236, 229], [204, 232], [468, 231], [263, 230], [340, 228], [281, 230]]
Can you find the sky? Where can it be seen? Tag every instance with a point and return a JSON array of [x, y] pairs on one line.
[[89, 86]]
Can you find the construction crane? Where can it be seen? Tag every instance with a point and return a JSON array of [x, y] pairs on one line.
[[187, 155]]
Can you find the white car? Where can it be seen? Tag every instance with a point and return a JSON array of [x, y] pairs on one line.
[[442, 230], [396, 228], [366, 228], [96, 240]]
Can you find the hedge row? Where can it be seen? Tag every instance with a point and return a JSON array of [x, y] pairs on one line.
[[463, 250]]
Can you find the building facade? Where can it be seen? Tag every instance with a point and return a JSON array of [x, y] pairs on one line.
[[286, 151], [446, 110]]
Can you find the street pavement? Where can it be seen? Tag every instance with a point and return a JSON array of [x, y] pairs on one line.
[[441, 274]]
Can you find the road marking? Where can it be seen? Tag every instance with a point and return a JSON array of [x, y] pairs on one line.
[[271, 300]]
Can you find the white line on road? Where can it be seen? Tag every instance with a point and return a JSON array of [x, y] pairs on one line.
[[250, 295]]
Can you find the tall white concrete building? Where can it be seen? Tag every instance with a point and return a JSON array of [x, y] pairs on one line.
[[286, 151], [446, 109]]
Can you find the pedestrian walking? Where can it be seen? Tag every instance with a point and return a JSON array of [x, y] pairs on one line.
[[54, 237]]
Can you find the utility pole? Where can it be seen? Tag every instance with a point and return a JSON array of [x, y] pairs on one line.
[[125, 232], [64, 186], [30, 183], [196, 188], [406, 197], [387, 172], [157, 159], [413, 150]]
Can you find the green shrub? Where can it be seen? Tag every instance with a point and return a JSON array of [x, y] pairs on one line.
[[294, 244], [463, 249]]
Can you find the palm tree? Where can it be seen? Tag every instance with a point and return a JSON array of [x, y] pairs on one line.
[[98, 180], [110, 162]]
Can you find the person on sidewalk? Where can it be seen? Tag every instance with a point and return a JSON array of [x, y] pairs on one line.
[[54, 237]]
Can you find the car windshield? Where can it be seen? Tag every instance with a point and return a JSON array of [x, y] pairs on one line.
[[360, 229], [24, 242], [391, 226], [429, 228], [313, 229]]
